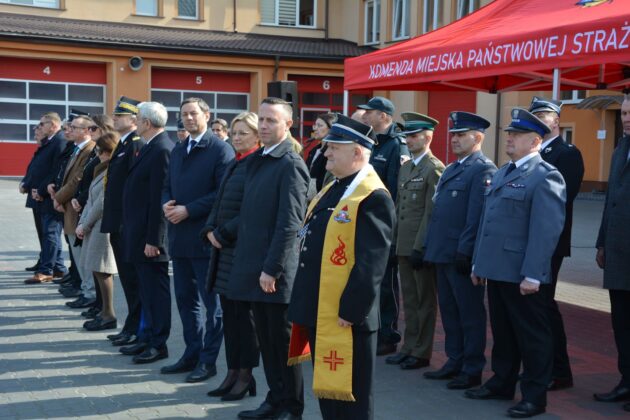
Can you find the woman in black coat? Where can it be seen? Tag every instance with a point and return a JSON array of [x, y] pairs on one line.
[[316, 161], [241, 345]]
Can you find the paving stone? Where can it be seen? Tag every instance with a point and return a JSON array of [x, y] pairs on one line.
[[51, 368]]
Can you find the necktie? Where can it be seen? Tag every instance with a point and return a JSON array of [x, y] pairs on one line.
[[191, 145], [510, 168], [75, 151]]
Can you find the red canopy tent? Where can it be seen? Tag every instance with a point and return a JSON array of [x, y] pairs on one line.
[[509, 45]]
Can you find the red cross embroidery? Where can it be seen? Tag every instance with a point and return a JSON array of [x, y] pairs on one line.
[[333, 360]]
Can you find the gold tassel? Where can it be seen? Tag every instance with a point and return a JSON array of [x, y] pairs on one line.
[[298, 359], [334, 395]]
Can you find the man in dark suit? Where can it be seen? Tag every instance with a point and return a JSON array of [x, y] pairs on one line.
[[522, 220], [568, 160], [144, 231], [387, 158], [613, 255], [35, 184], [125, 120], [266, 254], [194, 175], [358, 266], [449, 245]]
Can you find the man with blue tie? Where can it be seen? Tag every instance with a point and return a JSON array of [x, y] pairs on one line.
[[195, 172], [522, 220], [449, 245]]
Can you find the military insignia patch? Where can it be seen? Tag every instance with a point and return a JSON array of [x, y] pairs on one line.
[[342, 216], [487, 182], [547, 150]]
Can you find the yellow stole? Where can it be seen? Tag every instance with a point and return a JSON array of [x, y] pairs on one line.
[[332, 377]]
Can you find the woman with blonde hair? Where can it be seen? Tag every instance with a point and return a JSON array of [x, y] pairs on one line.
[[241, 344]]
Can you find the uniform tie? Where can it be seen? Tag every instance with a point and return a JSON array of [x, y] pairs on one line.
[[510, 168], [75, 151]]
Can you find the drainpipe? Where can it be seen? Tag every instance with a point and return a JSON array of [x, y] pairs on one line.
[[234, 16], [276, 67], [327, 15]]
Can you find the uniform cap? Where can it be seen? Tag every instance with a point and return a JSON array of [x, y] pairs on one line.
[[126, 106], [346, 130], [524, 121], [544, 105], [415, 122], [461, 121]]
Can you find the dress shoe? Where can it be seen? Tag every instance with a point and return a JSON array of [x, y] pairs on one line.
[[134, 349], [560, 383], [396, 359], [235, 396], [58, 275], [464, 381], [125, 340], [626, 407], [100, 325], [181, 366], [202, 372], [385, 348], [525, 409], [64, 280], [71, 292], [39, 278], [112, 337], [414, 363], [287, 415], [265, 411], [81, 303], [150, 355], [33, 267], [91, 313], [89, 322], [442, 373], [619, 393], [484, 393]]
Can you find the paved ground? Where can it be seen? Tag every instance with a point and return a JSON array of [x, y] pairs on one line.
[[51, 368]]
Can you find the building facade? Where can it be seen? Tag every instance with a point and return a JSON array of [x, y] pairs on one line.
[[63, 54]]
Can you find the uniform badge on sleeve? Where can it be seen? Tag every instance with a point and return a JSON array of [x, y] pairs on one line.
[[342, 216]]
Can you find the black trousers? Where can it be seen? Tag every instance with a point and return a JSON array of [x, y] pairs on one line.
[[40, 232], [286, 384], [561, 366], [620, 314], [363, 366], [239, 332], [155, 298], [389, 304], [74, 272], [521, 332], [129, 282]]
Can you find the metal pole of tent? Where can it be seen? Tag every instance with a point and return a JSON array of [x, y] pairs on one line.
[[345, 102], [556, 84]]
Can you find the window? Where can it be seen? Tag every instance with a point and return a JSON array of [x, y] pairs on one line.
[[22, 103], [188, 9], [226, 105], [147, 7], [567, 134], [52, 4], [300, 13], [572, 96], [400, 19], [432, 18], [372, 21], [465, 7]]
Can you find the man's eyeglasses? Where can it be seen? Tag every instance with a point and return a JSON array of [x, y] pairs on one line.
[[93, 128]]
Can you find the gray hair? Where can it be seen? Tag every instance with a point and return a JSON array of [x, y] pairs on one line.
[[154, 112]]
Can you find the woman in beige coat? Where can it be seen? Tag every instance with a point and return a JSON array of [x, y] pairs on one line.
[[97, 255]]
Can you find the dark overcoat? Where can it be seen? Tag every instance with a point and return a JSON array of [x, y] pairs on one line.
[[40, 169], [143, 218], [615, 227], [117, 171], [274, 205], [568, 160], [193, 181]]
